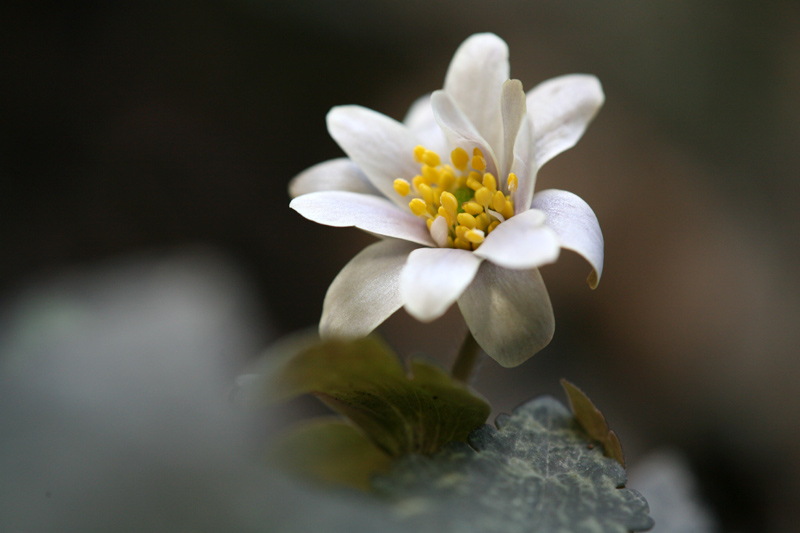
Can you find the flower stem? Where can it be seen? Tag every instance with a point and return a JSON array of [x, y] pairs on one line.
[[467, 359]]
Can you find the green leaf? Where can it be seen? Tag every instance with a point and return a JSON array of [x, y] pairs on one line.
[[536, 473], [331, 451], [365, 381], [593, 422]]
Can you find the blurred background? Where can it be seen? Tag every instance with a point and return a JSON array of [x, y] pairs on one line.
[[150, 254]]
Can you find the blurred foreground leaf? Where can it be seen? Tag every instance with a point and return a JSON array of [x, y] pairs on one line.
[[365, 381], [330, 450], [593, 422], [536, 473]]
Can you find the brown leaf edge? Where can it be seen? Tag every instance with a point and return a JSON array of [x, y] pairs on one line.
[[593, 422]]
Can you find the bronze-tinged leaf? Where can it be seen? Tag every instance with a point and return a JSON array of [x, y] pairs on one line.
[[592, 421]]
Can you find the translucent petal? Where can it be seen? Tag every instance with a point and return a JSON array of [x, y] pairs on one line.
[[508, 312], [521, 242], [512, 105], [561, 109], [422, 123], [335, 175], [576, 226], [367, 290], [370, 213], [434, 278], [380, 146]]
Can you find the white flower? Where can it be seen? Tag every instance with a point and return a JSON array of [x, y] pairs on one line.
[[473, 232]]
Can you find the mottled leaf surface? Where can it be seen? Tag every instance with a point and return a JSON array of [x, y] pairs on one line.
[[537, 472]]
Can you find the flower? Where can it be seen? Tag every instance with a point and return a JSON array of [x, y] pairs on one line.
[[473, 231]]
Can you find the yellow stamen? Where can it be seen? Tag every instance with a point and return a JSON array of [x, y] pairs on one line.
[[430, 174], [416, 182], [512, 183], [465, 219], [463, 244], [482, 221], [461, 231], [419, 152], [418, 207], [493, 225], [426, 193], [474, 184], [446, 179], [431, 158], [473, 208], [478, 163], [450, 203], [475, 236], [430, 223], [508, 209], [489, 182], [499, 201], [483, 196], [402, 187], [460, 158]]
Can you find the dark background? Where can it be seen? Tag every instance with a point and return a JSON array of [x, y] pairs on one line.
[[129, 127]]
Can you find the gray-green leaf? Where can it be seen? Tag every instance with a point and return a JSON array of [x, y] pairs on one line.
[[537, 472]]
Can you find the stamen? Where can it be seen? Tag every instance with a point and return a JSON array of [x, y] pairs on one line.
[[427, 194], [465, 219], [473, 208], [419, 152], [463, 244], [460, 158], [418, 207], [483, 196], [478, 163], [508, 210], [512, 183], [402, 187], [431, 158], [482, 221], [492, 226], [499, 201], [475, 236], [489, 182], [450, 203]]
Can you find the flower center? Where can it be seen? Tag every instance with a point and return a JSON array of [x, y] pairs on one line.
[[464, 196]]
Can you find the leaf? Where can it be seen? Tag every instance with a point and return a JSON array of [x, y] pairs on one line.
[[364, 381], [536, 473], [331, 451], [593, 422]]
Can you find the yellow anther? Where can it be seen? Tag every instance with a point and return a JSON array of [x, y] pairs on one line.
[[450, 203], [450, 242], [475, 236], [477, 151], [460, 158], [462, 243], [418, 207], [419, 152], [430, 174], [489, 182], [474, 184], [482, 221], [416, 182], [465, 219], [461, 231], [429, 222], [473, 208], [447, 216], [512, 183], [508, 209], [499, 201], [478, 163], [402, 187], [437, 194], [493, 225], [431, 158], [447, 179], [426, 193], [483, 196], [461, 181]]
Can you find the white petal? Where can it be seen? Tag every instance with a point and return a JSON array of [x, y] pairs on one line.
[[381, 147], [521, 242], [561, 109], [513, 110], [366, 292], [422, 123], [434, 278], [370, 213], [439, 231], [524, 167], [459, 130], [508, 312], [335, 175], [576, 225], [474, 80]]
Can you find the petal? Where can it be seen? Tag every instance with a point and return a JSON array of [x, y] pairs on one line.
[[459, 130], [366, 292], [513, 110], [521, 242], [576, 225], [561, 109], [421, 122], [439, 231], [434, 278], [474, 81], [508, 312], [335, 175], [370, 213], [380, 146], [524, 167]]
